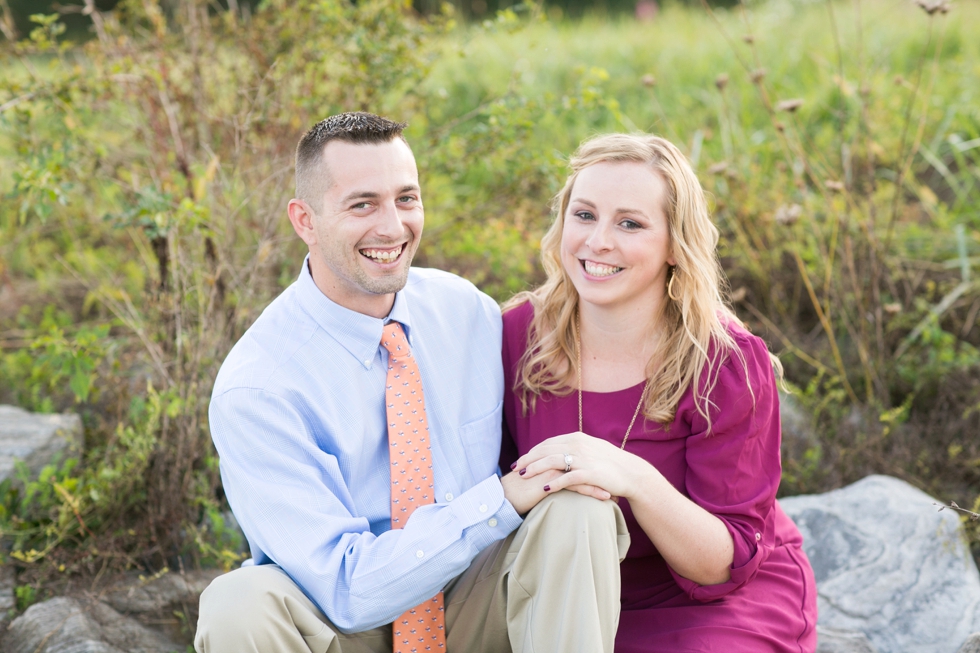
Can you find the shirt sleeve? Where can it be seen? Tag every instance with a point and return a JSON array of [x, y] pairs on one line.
[[734, 469], [294, 506]]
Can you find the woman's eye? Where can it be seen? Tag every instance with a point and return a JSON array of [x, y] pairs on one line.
[[630, 225], [584, 215]]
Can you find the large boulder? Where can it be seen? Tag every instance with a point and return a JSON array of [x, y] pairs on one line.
[[889, 565], [35, 438], [134, 596], [830, 640], [67, 625]]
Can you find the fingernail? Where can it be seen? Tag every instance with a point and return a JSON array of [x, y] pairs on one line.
[[521, 473], [547, 488], [513, 465]]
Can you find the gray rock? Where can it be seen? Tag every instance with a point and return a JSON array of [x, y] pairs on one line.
[[887, 564], [8, 601], [830, 640], [35, 438], [971, 645], [7, 581], [66, 625], [157, 594]]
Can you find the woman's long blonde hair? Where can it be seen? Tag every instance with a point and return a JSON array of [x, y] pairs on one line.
[[689, 325]]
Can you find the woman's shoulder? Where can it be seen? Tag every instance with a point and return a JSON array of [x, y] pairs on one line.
[[517, 319], [748, 362], [747, 346]]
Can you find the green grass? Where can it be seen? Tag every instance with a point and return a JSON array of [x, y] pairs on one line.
[[843, 292]]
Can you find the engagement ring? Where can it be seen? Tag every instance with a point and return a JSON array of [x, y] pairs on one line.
[[568, 462]]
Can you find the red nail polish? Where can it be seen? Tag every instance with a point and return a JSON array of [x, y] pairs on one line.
[[547, 488], [513, 465], [521, 473]]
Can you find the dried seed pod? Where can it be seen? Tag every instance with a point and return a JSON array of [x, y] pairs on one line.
[[940, 6], [721, 81], [757, 75], [788, 214], [648, 80], [789, 105]]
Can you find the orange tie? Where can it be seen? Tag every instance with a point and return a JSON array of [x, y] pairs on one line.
[[423, 627]]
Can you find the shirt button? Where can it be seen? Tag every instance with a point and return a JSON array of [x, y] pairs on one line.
[[419, 554], [492, 522], [449, 496], [483, 508], [758, 536], [367, 362]]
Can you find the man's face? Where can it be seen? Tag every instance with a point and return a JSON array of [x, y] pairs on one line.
[[369, 224]]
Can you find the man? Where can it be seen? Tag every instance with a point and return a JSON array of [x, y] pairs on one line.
[[355, 518]]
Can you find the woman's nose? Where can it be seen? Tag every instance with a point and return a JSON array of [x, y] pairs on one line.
[[600, 240]]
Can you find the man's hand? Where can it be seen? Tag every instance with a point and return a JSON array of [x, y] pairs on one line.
[[524, 494]]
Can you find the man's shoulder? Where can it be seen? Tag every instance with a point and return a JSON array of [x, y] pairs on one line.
[[450, 308], [429, 286], [426, 278], [272, 340]]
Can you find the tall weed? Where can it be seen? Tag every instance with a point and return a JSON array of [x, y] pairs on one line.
[[144, 173]]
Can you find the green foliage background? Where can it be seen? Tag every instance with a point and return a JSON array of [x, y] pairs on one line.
[[144, 173]]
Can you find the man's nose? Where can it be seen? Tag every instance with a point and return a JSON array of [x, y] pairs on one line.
[[389, 221]]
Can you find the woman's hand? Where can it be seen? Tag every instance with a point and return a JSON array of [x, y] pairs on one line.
[[595, 463], [525, 493], [693, 541]]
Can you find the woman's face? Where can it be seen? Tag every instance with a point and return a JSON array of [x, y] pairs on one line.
[[615, 244]]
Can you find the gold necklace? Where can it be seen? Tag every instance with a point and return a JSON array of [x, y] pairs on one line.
[[578, 328]]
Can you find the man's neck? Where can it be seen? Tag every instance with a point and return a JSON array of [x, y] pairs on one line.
[[378, 306]]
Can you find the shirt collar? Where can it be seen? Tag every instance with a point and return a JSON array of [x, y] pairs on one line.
[[359, 334]]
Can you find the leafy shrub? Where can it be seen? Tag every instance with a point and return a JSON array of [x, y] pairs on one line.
[[144, 175]]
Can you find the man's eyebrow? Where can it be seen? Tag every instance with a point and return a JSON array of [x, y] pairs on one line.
[[371, 195], [359, 195]]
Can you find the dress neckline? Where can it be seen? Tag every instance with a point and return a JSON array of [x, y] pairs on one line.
[[631, 390]]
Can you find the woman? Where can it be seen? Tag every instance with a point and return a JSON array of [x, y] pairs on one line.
[[627, 371]]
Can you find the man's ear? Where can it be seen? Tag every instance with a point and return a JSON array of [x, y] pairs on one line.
[[302, 216]]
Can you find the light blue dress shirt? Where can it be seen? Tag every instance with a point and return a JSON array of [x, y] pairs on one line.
[[298, 418]]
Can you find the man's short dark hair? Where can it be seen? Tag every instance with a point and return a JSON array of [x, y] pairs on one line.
[[354, 127]]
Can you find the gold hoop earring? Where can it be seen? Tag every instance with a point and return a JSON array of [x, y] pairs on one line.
[[670, 287]]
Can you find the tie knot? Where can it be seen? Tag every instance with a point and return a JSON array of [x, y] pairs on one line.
[[393, 339]]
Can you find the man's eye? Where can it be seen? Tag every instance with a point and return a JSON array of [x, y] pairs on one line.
[[360, 205], [405, 199]]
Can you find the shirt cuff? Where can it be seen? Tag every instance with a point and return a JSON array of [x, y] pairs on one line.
[[484, 509]]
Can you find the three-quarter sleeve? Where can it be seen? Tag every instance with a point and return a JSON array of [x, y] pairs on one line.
[[734, 468]]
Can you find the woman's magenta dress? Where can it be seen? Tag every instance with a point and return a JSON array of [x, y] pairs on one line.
[[770, 602]]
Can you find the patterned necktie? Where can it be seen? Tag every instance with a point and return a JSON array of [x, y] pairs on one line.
[[423, 627]]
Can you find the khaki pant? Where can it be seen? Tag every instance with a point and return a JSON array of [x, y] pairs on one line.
[[552, 586]]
